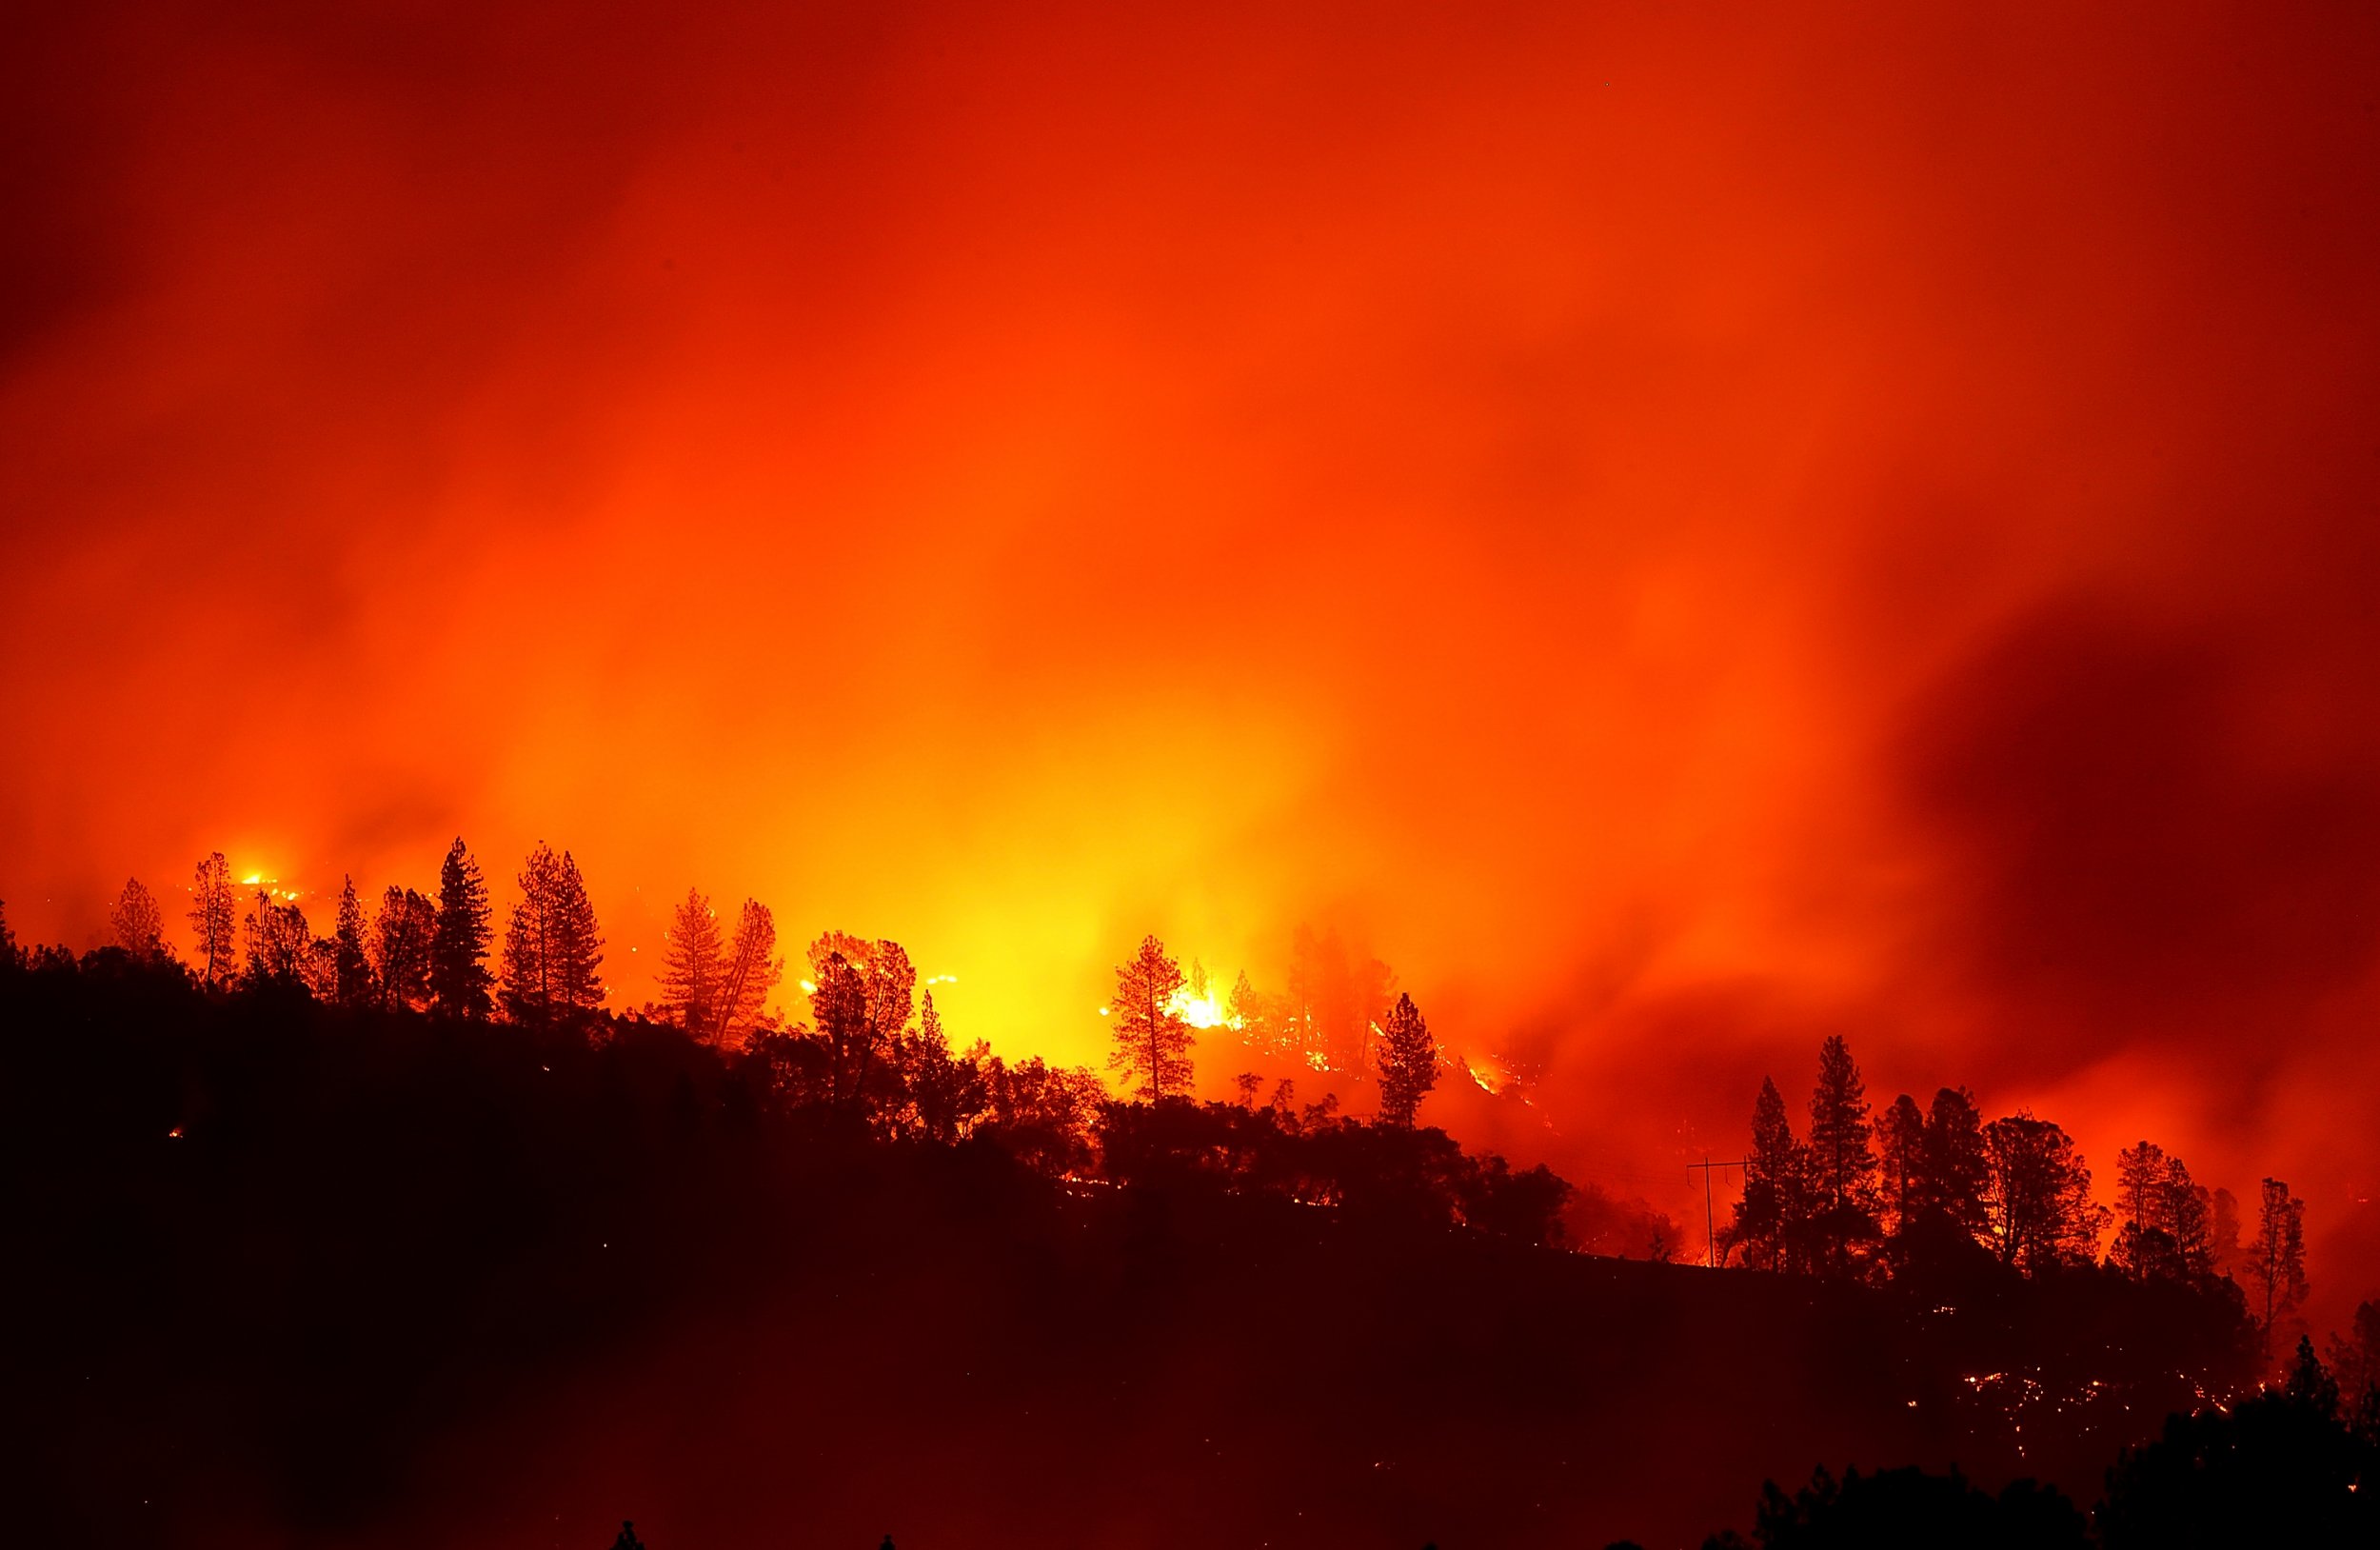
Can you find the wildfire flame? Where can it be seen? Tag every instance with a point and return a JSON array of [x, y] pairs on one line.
[[1204, 1011]]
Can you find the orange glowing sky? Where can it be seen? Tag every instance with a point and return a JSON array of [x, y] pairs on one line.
[[1687, 529]]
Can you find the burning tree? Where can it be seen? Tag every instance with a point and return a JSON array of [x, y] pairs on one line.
[[1153, 1041]]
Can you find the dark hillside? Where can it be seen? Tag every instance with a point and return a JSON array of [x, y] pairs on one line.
[[401, 1280]]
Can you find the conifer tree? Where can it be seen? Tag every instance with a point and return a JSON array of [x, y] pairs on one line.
[[1957, 1168], [839, 1007], [1771, 1223], [9, 956], [552, 948], [213, 915], [1901, 1147], [694, 964], [1153, 1042], [402, 936], [2188, 1217], [2276, 1260], [944, 1092], [137, 924], [581, 944], [2164, 1227], [1408, 1063], [1842, 1159], [352, 965], [457, 960], [753, 970]]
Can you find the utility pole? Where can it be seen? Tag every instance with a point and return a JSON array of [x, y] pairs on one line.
[[1710, 1232]]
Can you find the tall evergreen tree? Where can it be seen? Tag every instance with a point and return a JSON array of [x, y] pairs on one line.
[[1901, 1161], [2162, 1229], [404, 934], [137, 925], [352, 965], [839, 1007], [1408, 1063], [1842, 1157], [1772, 1221], [10, 958], [2188, 1216], [458, 958], [552, 947], [694, 966], [753, 970], [214, 913], [1842, 1161], [1957, 1173], [2140, 1185], [1153, 1042], [581, 944], [2276, 1260]]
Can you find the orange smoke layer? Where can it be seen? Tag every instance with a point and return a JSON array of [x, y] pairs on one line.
[[1684, 534]]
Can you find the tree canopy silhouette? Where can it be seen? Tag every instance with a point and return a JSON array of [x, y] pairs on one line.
[[1152, 1040], [1408, 1062], [459, 980]]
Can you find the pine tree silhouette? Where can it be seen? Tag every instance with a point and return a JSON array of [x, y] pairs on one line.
[[1408, 1063], [458, 980], [552, 948], [753, 970], [404, 936], [1842, 1162], [213, 916], [352, 965], [694, 967], [2277, 1259], [1153, 1042], [137, 925]]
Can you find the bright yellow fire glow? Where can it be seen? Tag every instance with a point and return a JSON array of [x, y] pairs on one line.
[[1198, 1011]]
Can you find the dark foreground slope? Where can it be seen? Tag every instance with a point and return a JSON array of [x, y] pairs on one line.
[[398, 1281]]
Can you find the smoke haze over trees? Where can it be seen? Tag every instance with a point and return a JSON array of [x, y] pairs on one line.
[[450, 1183]]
